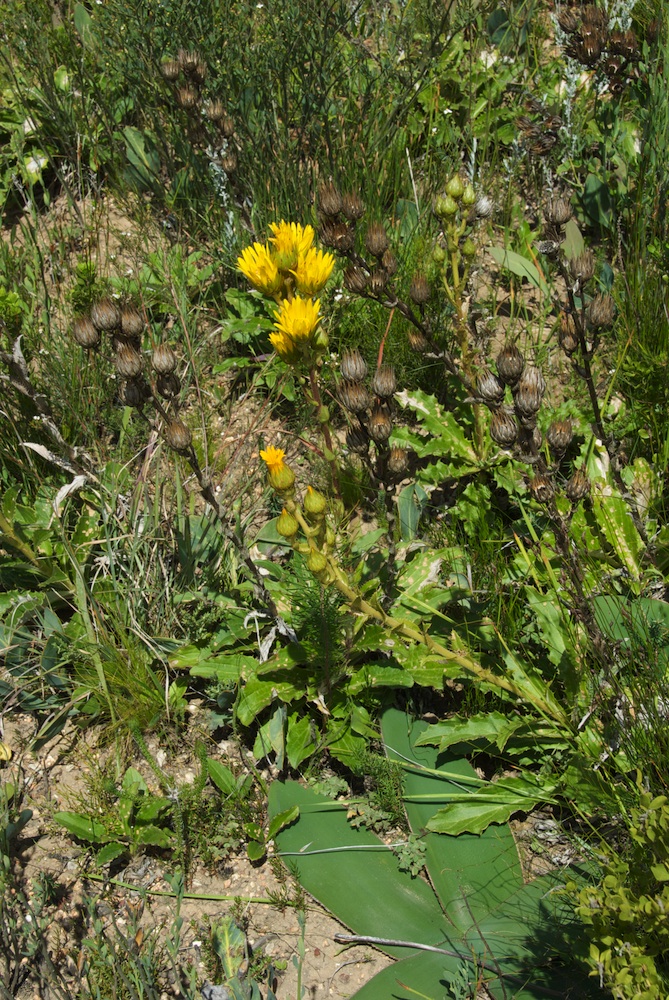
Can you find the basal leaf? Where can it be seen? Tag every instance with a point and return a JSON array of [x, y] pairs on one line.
[[82, 827], [496, 802], [520, 266], [614, 519], [492, 728]]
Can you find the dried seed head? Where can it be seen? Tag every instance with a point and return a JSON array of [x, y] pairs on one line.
[[417, 341], [188, 59], [352, 206], [527, 401], [357, 440], [168, 386], [601, 311], [384, 383], [533, 380], [132, 323], [85, 333], [135, 393], [510, 364], [578, 486], [353, 366], [542, 488], [503, 427], [484, 207], [187, 97], [380, 424], [567, 336], [354, 396], [567, 20], [128, 361], [420, 289], [398, 461], [329, 200], [199, 71], [378, 280], [376, 239], [229, 161], [389, 261], [488, 387], [355, 279], [582, 267], [226, 126], [559, 436], [344, 237], [177, 436], [106, 315], [558, 211], [170, 70], [215, 110], [163, 360]]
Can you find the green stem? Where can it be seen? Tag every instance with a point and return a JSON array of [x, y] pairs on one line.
[[325, 430]]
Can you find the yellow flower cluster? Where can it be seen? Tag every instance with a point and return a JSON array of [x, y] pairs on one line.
[[287, 263], [286, 268]]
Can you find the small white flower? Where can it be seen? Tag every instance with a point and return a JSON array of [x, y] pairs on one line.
[[488, 57], [35, 165], [28, 126]]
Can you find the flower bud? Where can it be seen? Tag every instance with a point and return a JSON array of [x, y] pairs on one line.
[[170, 70], [376, 240], [439, 255], [469, 195], [187, 59], [558, 211], [177, 436], [353, 366], [384, 383], [389, 262], [314, 503], [187, 97], [286, 524], [503, 428], [445, 207], [510, 364], [567, 335], [484, 207], [417, 341], [105, 315], [578, 486], [229, 162], [163, 359], [533, 380], [85, 333], [378, 280], [136, 393], [455, 187], [226, 126], [343, 237], [215, 110], [469, 248], [357, 440], [168, 386], [316, 562], [398, 461], [380, 424]]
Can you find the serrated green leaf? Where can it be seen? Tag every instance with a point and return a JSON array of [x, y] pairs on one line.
[[229, 945], [493, 728], [281, 820], [474, 811], [154, 836], [613, 517], [109, 853]]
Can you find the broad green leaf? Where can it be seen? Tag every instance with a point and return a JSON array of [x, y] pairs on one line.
[[410, 504], [83, 24], [374, 675], [222, 777], [300, 742], [281, 820], [520, 266], [613, 517], [496, 802], [573, 244], [133, 782], [153, 836], [551, 622], [82, 827], [258, 694], [229, 945], [255, 850], [110, 852]]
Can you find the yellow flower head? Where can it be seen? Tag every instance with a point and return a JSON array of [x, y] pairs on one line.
[[281, 477], [257, 265], [287, 349], [291, 241], [312, 271], [298, 318]]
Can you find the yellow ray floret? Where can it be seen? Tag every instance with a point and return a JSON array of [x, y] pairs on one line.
[[281, 476], [298, 318], [286, 348], [273, 458], [312, 271], [258, 266], [291, 239]]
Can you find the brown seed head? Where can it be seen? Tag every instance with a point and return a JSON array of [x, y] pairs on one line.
[[128, 361], [527, 401], [542, 488], [85, 333], [168, 386], [558, 211], [188, 59], [132, 323], [389, 261], [199, 71], [163, 360], [353, 366], [567, 336], [329, 200], [229, 161], [378, 280], [355, 279], [559, 436], [398, 461], [376, 239], [420, 289], [226, 126], [357, 440], [177, 436], [384, 383], [417, 341], [170, 70], [215, 110], [567, 20], [380, 424], [533, 380], [187, 97], [503, 427], [578, 486], [510, 364], [106, 315], [354, 396], [582, 267], [601, 311], [352, 206], [488, 387], [135, 393]]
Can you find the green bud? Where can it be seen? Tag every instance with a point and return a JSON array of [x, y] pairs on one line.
[[323, 415], [314, 502], [469, 248], [439, 255], [316, 562], [445, 207], [329, 537], [469, 196], [455, 188], [320, 340], [286, 524]]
